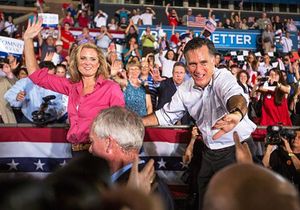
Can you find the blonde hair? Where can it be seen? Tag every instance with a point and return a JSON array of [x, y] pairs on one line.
[[75, 75], [133, 64]]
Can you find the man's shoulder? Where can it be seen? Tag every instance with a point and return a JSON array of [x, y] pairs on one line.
[[221, 73], [24, 81], [187, 86], [222, 78], [167, 81]]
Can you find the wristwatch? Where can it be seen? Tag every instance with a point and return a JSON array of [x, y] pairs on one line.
[[291, 154]]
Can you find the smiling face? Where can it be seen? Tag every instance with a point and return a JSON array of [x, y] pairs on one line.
[[201, 65], [170, 55], [145, 68], [88, 62], [243, 78], [274, 75], [134, 72]]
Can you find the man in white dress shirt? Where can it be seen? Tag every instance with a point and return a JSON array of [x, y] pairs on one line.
[[217, 103], [287, 43]]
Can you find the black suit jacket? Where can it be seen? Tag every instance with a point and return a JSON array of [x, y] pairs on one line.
[[166, 90], [161, 189]]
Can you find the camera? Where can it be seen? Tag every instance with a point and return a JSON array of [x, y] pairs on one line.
[[275, 134], [41, 117], [262, 79], [2, 61]]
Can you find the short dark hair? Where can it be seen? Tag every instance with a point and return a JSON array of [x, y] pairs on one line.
[[179, 64], [47, 64], [198, 42]]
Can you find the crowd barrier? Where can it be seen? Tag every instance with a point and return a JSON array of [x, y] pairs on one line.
[[27, 149]]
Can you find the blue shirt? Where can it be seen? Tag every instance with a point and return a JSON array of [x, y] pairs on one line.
[[34, 98], [116, 175], [135, 99]]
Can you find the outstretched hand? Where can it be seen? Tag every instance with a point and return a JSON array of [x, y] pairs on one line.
[[154, 72], [226, 124], [34, 28]]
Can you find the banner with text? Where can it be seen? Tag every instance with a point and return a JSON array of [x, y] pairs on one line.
[[224, 39], [11, 46], [49, 20]]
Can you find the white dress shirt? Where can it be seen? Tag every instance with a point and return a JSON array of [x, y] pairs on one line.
[[206, 106]]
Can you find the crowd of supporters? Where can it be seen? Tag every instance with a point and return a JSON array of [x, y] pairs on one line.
[[141, 62], [149, 68]]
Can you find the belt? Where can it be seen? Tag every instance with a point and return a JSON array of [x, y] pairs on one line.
[[80, 147], [222, 149], [226, 148]]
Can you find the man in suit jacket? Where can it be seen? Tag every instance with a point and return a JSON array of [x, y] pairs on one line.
[[117, 135], [168, 87]]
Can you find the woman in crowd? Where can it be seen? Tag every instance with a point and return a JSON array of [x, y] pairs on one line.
[[61, 70], [132, 50], [294, 106], [274, 105], [167, 61], [242, 79], [251, 67], [88, 88], [112, 26], [147, 80], [6, 112], [268, 38], [68, 19], [136, 94], [21, 73], [131, 31]]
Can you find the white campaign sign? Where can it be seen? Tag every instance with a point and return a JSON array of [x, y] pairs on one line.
[[49, 19], [11, 46]]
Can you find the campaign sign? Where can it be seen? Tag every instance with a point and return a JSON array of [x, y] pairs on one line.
[[11, 46], [223, 39], [235, 39], [49, 20], [210, 25]]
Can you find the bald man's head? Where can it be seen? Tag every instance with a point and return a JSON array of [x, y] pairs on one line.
[[250, 187]]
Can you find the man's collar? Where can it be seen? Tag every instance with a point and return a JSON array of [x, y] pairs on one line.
[[116, 175]]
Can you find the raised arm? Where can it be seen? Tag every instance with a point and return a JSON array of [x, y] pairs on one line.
[[152, 11], [33, 29], [167, 9]]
